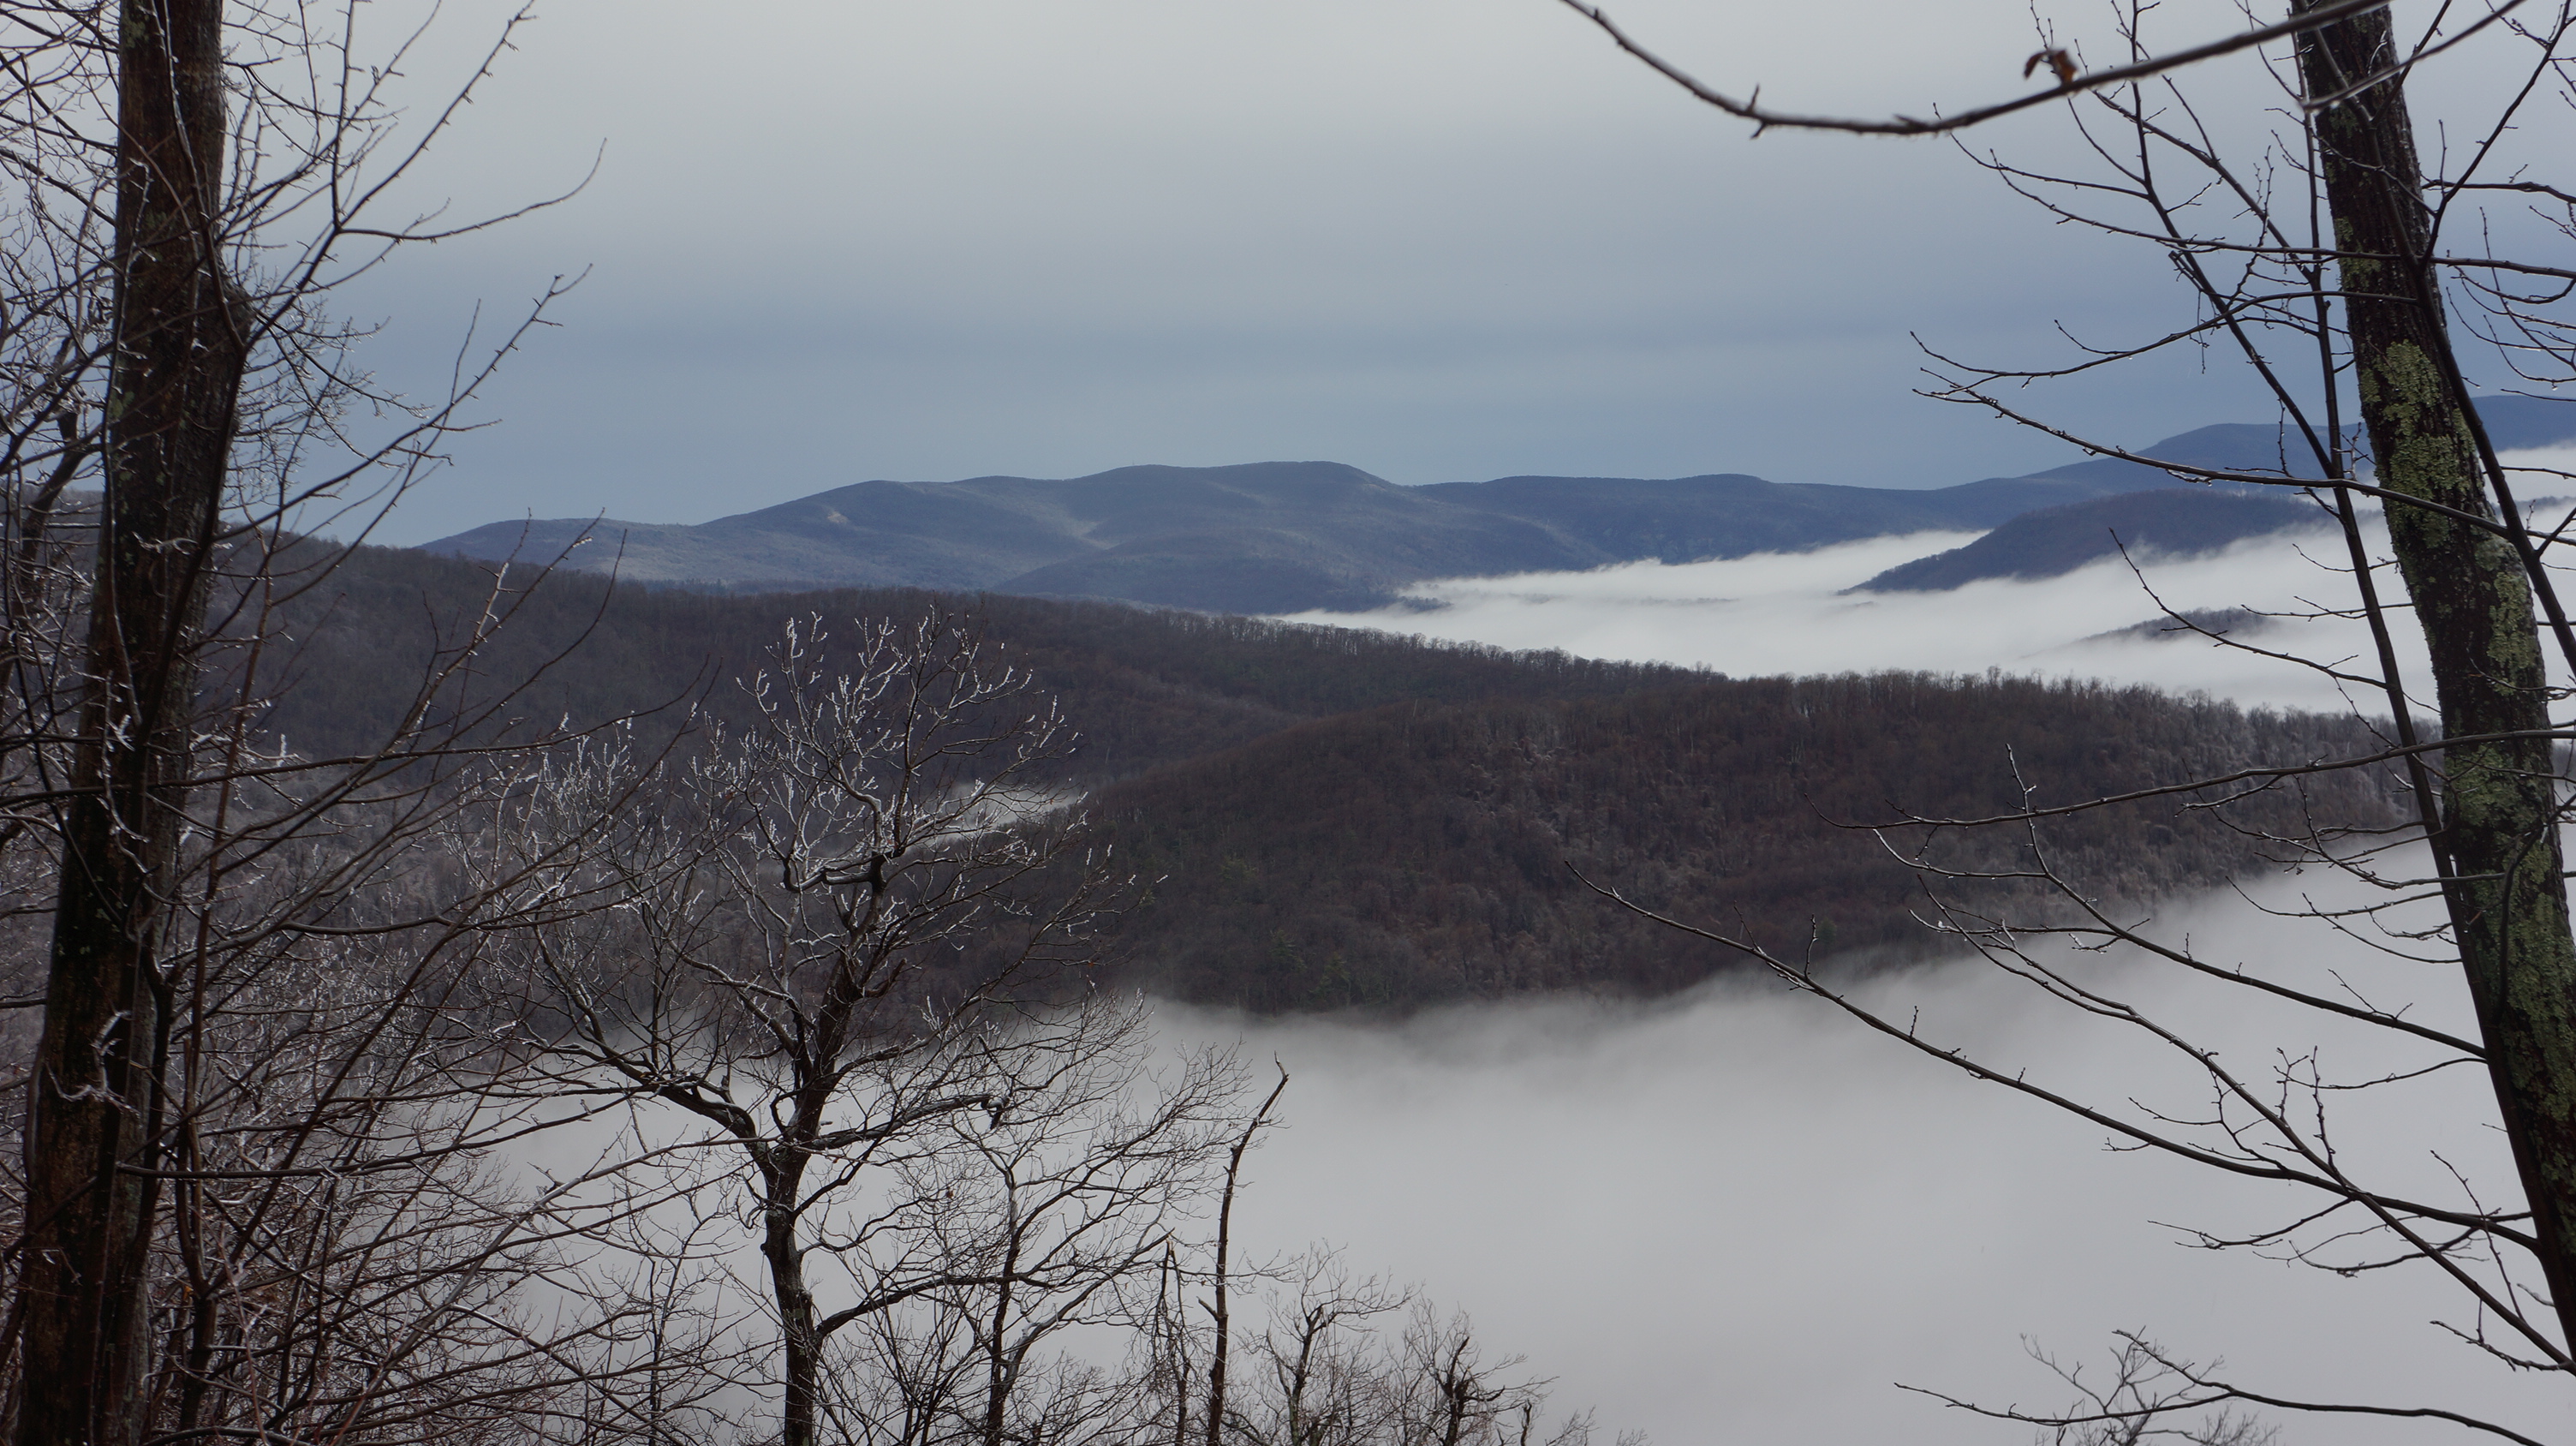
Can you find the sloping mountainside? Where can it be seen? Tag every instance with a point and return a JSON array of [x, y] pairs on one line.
[[1288, 536], [2168, 522], [1419, 852], [1144, 688], [1344, 818]]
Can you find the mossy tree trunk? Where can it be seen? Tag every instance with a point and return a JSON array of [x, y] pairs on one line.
[[175, 380], [2498, 843]]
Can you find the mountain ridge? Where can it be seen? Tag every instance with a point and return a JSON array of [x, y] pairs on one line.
[[1279, 537], [2162, 522]]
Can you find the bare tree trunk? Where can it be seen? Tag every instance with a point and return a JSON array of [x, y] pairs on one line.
[[798, 1328], [2499, 836], [173, 399], [999, 1375], [1221, 1308]]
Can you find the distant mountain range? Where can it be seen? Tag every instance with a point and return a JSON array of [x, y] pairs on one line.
[[1276, 537]]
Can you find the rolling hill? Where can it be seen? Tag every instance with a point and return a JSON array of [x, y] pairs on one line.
[[1428, 851], [1276, 537], [1334, 818], [2167, 522]]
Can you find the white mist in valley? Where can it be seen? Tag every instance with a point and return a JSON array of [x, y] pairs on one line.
[[1775, 613], [1794, 613], [1740, 1216]]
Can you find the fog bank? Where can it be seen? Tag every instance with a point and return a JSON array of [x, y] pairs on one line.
[[1788, 613], [1775, 613], [1738, 1216]]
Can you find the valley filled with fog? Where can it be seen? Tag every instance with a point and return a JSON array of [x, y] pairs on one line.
[[1737, 1215], [1354, 735], [1776, 613], [1794, 613], [1734, 1216]]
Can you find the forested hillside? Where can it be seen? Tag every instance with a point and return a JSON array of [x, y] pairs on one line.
[[1420, 852], [1337, 818], [1142, 687]]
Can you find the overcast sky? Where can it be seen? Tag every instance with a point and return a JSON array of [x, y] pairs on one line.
[[1437, 239]]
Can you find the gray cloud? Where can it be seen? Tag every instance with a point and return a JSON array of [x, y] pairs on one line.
[[1438, 239]]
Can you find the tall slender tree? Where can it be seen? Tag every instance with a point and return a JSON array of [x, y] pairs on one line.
[[2497, 838], [180, 344]]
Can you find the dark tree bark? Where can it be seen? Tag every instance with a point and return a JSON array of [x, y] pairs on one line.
[[173, 398], [799, 1329], [1222, 1306], [2498, 843]]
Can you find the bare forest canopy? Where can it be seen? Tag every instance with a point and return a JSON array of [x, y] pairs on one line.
[[1427, 851], [1279, 537], [1143, 688], [1334, 818]]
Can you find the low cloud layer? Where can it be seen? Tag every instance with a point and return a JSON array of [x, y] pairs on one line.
[[1737, 1216], [1776, 613], [1788, 613]]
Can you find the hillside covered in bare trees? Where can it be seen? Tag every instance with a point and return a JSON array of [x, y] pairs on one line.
[[1335, 819]]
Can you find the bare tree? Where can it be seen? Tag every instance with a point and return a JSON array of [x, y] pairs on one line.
[[1319, 1384], [260, 1191], [1220, 1303], [855, 964], [1051, 1220], [179, 345], [2148, 1398], [1331, 1375], [2325, 261]]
